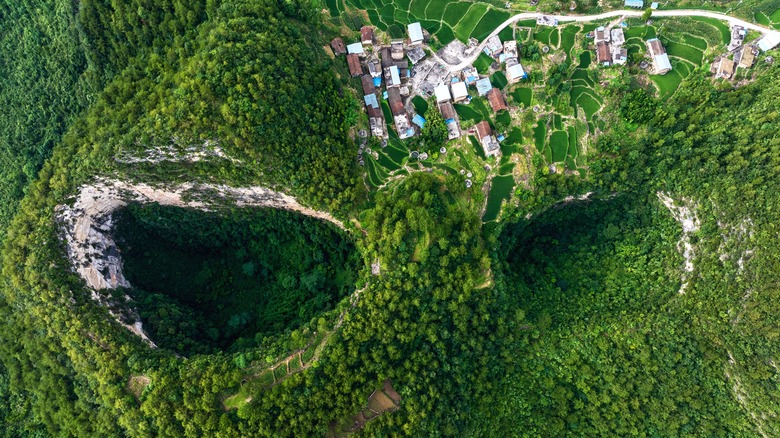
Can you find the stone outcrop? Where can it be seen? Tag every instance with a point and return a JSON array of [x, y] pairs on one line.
[[86, 226]]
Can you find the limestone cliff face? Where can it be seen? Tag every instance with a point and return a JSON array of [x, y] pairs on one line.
[[87, 225]]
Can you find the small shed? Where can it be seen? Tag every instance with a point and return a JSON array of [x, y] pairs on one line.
[[367, 35], [368, 84], [372, 105], [418, 120], [442, 93], [447, 111], [415, 54], [356, 48], [415, 33], [337, 44], [459, 91], [483, 86], [355, 69], [496, 99], [618, 37], [603, 55], [395, 77]]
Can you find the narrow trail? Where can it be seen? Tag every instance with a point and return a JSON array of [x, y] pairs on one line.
[[612, 14]]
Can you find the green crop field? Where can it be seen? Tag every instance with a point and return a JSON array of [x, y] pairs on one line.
[[559, 143], [466, 25], [695, 41], [567, 39], [489, 22], [420, 105], [540, 134], [572, 132], [455, 11], [522, 95], [685, 51], [504, 117], [477, 147], [584, 60], [719, 25], [482, 64], [498, 80], [555, 40], [435, 10], [588, 103], [515, 136], [417, 8], [543, 35], [667, 84], [500, 190]]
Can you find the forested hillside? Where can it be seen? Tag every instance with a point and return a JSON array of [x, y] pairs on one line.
[[581, 314]]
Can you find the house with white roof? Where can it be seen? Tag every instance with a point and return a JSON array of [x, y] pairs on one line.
[[484, 86], [459, 91], [415, 34], [442, 92], [356, 48], [514, 71], [769, 41], [657, 52]]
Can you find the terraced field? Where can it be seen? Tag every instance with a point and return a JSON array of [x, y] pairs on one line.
[[445, 20]]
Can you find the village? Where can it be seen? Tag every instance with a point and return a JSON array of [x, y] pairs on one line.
[[397, 72]]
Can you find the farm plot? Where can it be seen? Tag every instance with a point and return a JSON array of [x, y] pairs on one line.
[[454, 12], [684, 51], [543, 35], [725, 33], [435, 10], [445, 35], [540, 134], [492, 19], [469, 21], [567, 39], [667, 84], [522, 95], [483, 62], [586, 99], [500, 190], [498, 80], [559, 145]]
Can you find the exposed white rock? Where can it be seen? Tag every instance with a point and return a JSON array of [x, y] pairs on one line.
[[175, 153], [87, 225], [685, 214]]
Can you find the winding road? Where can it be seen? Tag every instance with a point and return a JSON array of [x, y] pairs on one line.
[[612, 14]]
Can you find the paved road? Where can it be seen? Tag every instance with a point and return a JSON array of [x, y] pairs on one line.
[[622, 13]]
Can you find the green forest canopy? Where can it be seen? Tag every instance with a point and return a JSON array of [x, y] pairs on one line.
[[565, 322]]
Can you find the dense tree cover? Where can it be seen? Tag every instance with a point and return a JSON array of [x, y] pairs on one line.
[[212, 280], [613, 352], [567, 323]]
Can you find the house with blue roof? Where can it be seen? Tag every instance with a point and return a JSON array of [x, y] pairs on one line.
[[484, 86], [370, 100], [418, 120]]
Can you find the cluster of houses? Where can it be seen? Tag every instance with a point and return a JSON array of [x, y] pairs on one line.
[[376, 65], [610, 51], [388, 65], [609, 46], [741, 55]]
